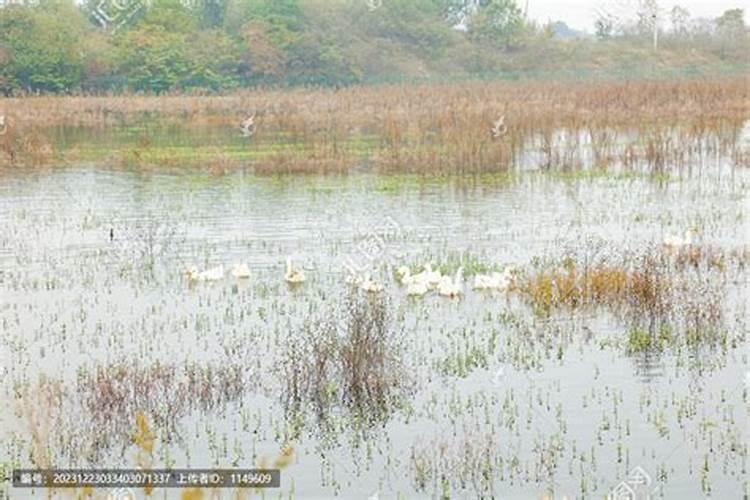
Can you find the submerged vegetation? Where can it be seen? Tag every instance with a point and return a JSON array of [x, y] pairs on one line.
[[349, 359], [454, 397]]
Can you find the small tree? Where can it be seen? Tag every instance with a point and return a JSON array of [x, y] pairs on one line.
[[604, 26], [680, 17], [731, 24]]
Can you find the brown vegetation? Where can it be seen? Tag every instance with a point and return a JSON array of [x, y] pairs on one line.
[[353, 363], [653, 289], [425, 128]]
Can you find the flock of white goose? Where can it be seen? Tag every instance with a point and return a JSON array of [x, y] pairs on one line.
[[417, 285], [292, 275]]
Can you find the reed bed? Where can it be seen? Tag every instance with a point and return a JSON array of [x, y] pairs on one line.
[[112, 394], [659, 291], [423, 129]]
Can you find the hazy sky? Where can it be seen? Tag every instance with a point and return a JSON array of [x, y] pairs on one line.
[[580, 14]]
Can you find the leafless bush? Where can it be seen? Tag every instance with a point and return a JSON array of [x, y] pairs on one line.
[[351, 364]]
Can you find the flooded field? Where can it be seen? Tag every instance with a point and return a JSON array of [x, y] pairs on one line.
[[570, 324]]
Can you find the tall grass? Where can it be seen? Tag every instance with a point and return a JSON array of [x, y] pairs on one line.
[[422, 128]]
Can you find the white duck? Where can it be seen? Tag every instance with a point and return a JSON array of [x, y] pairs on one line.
[[451, 287], [495, 280], [432, 278], [417, 288], [241, 271], [213, 274], [293, 274]]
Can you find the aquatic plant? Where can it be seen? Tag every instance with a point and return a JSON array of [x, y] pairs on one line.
[[352, 362], [651, 289]]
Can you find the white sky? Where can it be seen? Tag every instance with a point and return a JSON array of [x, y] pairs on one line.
[[580, 14]]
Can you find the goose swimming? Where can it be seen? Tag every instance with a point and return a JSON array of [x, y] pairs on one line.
[[293, 274]]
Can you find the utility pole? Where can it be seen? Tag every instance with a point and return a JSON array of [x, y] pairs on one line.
[[656, 31]]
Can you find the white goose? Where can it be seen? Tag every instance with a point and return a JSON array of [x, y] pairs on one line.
[[417, 288], [428, 275], [191, 271], [495, 280], [213, 274], [353, 279], [451, 287], [241, 271], [293, 274]]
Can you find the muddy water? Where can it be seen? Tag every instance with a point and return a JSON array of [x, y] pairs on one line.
[[92, 262]]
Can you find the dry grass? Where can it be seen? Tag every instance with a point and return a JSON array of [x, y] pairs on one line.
[[433, 128], [352, 364], [165, 392], [653, 289]]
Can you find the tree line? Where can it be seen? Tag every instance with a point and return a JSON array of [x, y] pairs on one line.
[[61, 46]]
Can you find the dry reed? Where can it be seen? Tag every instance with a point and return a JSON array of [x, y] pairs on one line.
[[434, 128]]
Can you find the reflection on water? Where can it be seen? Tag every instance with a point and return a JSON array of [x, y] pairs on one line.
[[92, 294]]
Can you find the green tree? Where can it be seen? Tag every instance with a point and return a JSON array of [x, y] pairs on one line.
[[412, 24], [42, 46], [152, 58], [171, 15], [213, 61], [497, 22]]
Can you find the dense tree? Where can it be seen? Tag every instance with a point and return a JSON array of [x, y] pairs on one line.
[[163, 45], [42, 46]]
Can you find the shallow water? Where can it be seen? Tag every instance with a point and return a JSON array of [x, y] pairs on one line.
[[558, 396]]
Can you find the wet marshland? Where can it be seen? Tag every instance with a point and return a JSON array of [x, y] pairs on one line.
[[606, 350]]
